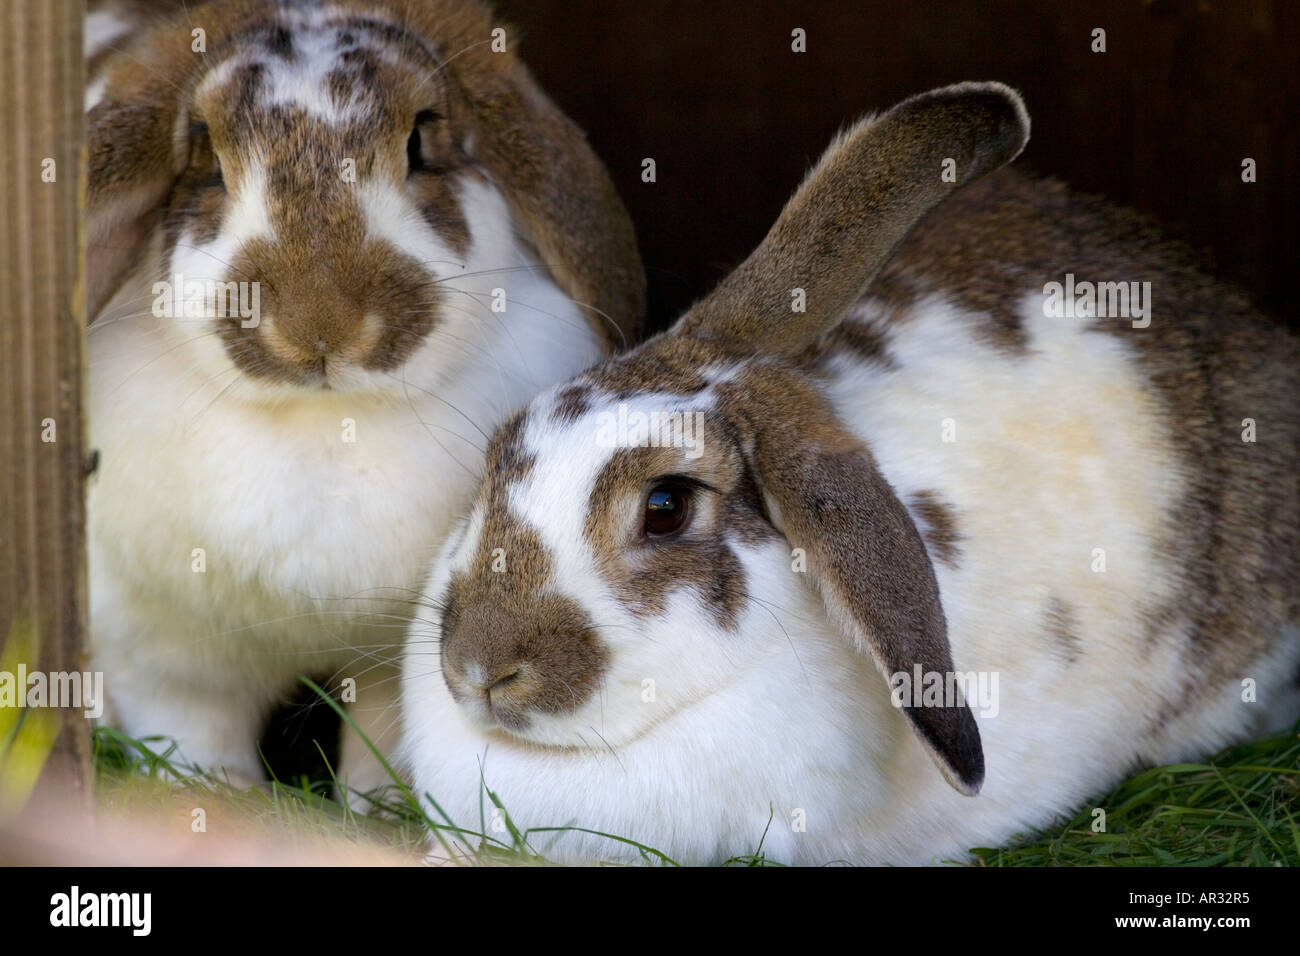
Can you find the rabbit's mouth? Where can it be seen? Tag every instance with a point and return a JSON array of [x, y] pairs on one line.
[[498, 701]]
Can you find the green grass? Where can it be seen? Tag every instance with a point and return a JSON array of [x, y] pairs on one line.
[[1239, 808], [138, 775]]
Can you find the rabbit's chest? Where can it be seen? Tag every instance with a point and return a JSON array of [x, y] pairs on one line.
[[298, 528]]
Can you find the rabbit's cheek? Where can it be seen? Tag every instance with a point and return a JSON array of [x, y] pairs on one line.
[[438, 200]]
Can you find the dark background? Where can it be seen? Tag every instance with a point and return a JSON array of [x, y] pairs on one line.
[[733, 118]]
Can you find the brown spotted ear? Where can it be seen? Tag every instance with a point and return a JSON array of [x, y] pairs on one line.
[[864, 551], [564, 199], [870, 187], [135, 152], [131, 170], [558, 188]]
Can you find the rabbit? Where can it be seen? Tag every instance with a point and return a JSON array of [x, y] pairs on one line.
[[872, 557], [412, 240]]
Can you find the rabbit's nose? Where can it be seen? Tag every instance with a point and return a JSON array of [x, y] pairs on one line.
[[508, 659], [305, 339], [478, 678]]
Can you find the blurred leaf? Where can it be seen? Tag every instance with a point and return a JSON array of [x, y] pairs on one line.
[[27, 735]]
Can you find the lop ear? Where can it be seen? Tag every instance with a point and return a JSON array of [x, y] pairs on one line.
[[865, 554], [131, 171], [557, 186], [566, 201], [869, 188], [134, 156]]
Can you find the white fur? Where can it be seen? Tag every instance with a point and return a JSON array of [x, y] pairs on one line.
[[1058, 452]]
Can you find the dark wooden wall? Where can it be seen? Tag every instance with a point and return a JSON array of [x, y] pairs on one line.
[[733, 118]]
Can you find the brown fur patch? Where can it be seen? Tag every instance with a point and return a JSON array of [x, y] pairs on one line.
[[439, 202], [940, 531], [744, 513], [1063, 629], [536, 652], [499, 617], [860, 340], [671, 364], [324, 306], [571, 403], [644, 572], [199, 200], [507, 461]]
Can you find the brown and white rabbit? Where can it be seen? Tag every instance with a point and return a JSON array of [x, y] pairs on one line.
[[417, 241], [668, 615]]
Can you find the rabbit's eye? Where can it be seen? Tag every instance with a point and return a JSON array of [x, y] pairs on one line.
[[204, 163], [425, 149], [667, 509], [414, 161]]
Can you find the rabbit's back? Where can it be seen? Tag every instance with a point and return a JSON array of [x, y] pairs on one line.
[[1111, 501]]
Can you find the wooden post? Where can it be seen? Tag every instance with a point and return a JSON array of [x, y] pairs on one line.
[[42, 340]]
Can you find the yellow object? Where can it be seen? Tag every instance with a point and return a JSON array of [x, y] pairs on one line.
[[27, 734]]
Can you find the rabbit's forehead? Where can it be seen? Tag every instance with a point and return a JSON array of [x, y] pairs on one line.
[[544, 464], [678, 400], [331, 64], [574, 432]]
